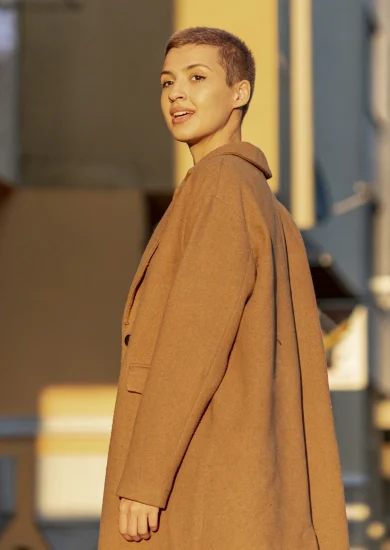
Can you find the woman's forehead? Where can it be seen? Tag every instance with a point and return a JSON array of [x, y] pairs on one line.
[[179, 59]]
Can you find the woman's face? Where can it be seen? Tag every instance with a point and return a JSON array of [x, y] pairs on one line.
[[195, 98]]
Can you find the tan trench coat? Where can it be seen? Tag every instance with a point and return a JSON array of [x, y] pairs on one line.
[[223, 416]]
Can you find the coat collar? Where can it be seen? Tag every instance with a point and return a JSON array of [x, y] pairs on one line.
[[242, 149]]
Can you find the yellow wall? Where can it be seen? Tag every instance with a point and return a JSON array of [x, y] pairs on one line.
[[257, 25]]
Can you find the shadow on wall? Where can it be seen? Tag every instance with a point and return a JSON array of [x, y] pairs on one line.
[[67, 260]]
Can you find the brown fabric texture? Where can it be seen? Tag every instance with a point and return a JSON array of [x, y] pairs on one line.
[[223, 415]]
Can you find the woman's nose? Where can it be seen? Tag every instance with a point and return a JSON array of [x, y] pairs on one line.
[[176, 93]]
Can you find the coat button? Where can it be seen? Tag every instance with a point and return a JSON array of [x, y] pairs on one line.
[[127, 338]]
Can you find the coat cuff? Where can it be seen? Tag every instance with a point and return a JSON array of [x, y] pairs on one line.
[[131, 490]]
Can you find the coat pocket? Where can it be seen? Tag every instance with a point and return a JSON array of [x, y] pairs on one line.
[[136, 378]]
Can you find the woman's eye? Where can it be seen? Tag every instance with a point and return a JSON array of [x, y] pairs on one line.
[[198, 77], [166, 83]]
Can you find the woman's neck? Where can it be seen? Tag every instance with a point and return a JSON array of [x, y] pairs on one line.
[[208, 144]]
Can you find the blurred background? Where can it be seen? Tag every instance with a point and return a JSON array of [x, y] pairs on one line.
[[87, 169]]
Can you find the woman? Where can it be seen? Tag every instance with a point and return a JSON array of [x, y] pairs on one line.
[[223, 434]]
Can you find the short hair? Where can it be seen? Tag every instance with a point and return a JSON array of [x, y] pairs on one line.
[[235, 56]]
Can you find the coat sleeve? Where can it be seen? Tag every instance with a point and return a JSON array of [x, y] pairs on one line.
[[215, 276]]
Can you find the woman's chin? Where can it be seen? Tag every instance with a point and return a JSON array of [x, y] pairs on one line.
[[183, 134], [183, 137], [182, 140], [186, 137]]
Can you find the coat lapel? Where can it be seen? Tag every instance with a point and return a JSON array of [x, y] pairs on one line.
[[145, 260]]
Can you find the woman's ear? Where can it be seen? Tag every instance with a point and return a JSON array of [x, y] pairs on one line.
[[242, 93]]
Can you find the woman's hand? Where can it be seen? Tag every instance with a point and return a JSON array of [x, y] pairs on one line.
[[137, 520]]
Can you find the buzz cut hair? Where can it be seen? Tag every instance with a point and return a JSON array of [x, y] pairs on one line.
[[235, 56]]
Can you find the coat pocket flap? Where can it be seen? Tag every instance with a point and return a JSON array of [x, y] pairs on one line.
[[136, 378]]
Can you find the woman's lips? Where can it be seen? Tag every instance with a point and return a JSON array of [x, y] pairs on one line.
[[182, 118]]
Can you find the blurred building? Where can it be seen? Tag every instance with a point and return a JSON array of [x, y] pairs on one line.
[[89, 168]]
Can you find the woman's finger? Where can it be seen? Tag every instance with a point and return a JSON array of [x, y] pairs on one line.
[[123, 524], [153, 520], [132, 527], [143, 526]]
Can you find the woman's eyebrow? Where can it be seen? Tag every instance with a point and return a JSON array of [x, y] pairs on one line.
[[188, 68]]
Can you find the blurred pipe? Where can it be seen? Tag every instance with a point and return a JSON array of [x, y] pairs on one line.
[[380, 62], [335, 336], [9, 95], [381, 109], [302, 133], [380, 280], [364, 193]]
